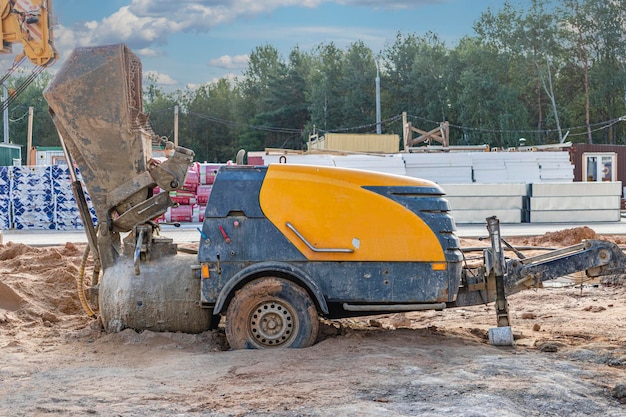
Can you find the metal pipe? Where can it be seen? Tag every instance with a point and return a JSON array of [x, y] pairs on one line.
[[393, 307], [137, 255]]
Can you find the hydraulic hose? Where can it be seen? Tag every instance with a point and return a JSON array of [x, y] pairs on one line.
[[94, 277], [80, 283]]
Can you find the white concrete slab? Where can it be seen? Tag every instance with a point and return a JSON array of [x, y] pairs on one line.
[[575, 216], [566, 203], [486, 190], [577, 189], [479, 216], [486, 203]]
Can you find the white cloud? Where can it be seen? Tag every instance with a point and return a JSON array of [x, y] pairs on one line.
[[388, 4], [148, 52], [160, 78], [230, 62], [145, 23]]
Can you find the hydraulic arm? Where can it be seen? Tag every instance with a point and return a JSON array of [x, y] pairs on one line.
[[28, 22]]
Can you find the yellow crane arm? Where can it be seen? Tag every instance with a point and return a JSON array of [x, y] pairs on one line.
[[28, 22]]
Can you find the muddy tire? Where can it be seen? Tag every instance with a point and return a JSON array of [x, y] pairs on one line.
[[271, 313]]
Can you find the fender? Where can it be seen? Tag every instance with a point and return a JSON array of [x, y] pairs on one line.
[[263, 268]]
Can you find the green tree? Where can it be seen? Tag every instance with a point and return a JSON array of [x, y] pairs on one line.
[[578, 30], [264, 64], [326, 94], [607, 76], [160, 107], [358, 86], [210, 115], [529, 38], [284, 109], [398, 61], [44, 132], [418, 78], [488, 104]]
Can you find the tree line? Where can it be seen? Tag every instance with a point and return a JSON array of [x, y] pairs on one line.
[[546, 71]]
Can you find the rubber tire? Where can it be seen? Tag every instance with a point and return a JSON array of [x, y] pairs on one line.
[[273, 293]]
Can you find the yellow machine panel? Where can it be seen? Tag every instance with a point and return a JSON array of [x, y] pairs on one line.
[[329, 209]]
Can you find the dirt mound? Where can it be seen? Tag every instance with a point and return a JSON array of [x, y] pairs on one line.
[[38, 287], [14, 250], [565, 237], [9, 300]]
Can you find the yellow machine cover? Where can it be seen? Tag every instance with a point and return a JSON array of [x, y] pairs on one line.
[[330, 209]]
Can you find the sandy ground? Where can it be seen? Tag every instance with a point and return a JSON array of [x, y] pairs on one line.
[[569, 358]]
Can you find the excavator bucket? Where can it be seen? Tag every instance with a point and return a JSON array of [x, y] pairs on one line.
[[96, 103]]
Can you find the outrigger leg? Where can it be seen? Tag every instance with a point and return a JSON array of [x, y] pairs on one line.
[[501, 335]]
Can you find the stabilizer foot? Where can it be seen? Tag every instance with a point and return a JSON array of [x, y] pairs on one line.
[[501, 336]]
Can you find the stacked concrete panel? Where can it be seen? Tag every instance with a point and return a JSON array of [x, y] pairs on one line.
[[311, 159], [575, 202], [450, 167], [518, 167], [473, 203], [442, 168], [390, 164], [489, 167], [522, 167], [555, 167]]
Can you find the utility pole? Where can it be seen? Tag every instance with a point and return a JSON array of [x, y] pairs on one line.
[[175, 125], [29, 138], [378, 117], [5, 97]]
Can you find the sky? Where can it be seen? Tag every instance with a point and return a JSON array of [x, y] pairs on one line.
[[186, 43]]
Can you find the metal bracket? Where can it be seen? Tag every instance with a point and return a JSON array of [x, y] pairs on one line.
[[143, 239]]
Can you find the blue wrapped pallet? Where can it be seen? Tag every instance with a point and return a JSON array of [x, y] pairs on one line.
[[67, 216], [5, 198], [32, 198]]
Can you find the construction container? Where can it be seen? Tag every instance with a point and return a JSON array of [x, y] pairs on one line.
[[10, 154], [369, 143], [47, 156]]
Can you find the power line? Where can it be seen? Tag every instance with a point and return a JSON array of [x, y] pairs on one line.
[[365, 126], [249, 126], [274, 129], [602, 125]]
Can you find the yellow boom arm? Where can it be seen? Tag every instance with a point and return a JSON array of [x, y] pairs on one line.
[[28, 22]]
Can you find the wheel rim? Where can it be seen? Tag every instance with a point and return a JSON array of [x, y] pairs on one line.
[[273, 324]]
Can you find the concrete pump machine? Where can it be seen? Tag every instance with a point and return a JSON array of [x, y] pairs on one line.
[[280, 245]]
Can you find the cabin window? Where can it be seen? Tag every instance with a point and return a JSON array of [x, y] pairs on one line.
[[599, 167]]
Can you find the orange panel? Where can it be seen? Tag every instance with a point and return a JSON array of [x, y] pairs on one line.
[[331, 210]]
